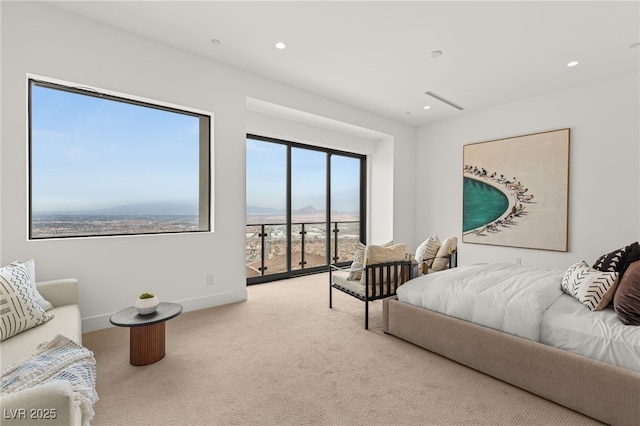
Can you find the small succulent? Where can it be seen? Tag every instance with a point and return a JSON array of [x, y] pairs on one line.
[[146, 295]]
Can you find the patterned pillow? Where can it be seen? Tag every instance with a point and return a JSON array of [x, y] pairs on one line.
[[445, 249], [18, 306], [428, 249], [616, 261], [626, 301], [30, 265], [591, 287], [358, 262]]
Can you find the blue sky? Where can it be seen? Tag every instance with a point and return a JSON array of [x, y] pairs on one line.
[[93, 153], [266, 178]]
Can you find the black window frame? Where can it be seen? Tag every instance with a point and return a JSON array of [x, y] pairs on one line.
[[362, 206]]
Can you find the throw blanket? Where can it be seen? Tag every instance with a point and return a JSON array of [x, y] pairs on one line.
[[504, 297], [61, 359]]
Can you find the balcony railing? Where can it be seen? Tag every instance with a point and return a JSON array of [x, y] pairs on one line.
[[266, 245]]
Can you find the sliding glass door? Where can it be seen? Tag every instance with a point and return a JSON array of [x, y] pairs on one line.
[[304, 208], [308, 202]]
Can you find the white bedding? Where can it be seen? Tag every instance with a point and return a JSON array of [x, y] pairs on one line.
[[600, 335], [529, 303], [501, 296]]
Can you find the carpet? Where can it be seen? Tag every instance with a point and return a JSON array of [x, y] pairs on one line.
[[284, 358]]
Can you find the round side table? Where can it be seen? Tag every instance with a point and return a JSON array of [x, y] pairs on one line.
[[146, 332]]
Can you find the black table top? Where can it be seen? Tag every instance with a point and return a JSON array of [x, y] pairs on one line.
[[130, 317]]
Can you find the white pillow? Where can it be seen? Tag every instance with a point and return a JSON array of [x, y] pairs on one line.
[[358, 262], [18, 306], [591, 287], [428, 249], [31, 268], [441, 262]]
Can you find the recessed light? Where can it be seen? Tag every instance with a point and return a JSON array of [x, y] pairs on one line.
[[635, 45], [215, 41], [426, 107], [280, 45], [435, 53], [572, 64]]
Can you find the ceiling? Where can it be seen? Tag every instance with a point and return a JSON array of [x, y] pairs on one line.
[[378, 55]]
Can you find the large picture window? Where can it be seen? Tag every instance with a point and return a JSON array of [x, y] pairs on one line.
[[103, 164]]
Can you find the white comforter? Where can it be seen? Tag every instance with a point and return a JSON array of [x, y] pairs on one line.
[[529, 303], [505, 297]]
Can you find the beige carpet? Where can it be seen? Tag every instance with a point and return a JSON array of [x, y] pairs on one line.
[[284, 358]]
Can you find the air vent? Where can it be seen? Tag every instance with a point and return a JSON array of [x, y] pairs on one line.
[[443, 100]]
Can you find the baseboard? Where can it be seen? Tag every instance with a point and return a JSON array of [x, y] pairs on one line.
[[99, 322]]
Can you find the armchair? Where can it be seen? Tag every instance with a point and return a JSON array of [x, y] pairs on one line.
[[379, 278]]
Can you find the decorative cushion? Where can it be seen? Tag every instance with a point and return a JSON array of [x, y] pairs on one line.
[[428, 249], [384, 254], [31, 268], [616, 261], [634, 255], [626, 301], [358, 262], [591, 287], [18, 306], [445, 249]]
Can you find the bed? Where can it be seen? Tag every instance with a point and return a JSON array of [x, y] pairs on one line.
[[517, 324]]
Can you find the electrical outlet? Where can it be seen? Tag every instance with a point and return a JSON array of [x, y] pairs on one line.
[[210, 280]]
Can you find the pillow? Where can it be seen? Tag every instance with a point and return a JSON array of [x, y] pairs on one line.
[[626, 301], [445, 249], [591, 287], [428, 249], [18, 305], [358, 262], [616, 261], [384, 254], [30, 265], [634, 255]]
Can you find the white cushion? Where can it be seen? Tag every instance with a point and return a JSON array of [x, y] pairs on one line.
[[18, 306], [66, 321], [31, 267], [358, 262], [441, 262], [428, 249], [591, 287]]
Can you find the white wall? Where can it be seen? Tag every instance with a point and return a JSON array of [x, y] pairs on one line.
[[604, 118], [44, 41]]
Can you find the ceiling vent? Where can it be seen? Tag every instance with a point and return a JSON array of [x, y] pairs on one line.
[[443, 100]]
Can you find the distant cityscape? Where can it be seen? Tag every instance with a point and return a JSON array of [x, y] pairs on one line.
[[271, 222], [56, 225]]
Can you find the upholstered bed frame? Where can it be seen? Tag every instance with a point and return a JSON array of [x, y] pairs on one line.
[[604, 392]]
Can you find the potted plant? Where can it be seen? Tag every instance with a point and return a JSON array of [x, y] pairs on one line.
[[146, 303]]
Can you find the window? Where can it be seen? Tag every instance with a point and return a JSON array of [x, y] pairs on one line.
[[304, 208], [102, 164]]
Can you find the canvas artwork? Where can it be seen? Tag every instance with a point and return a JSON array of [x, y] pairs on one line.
[[516, 191]]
